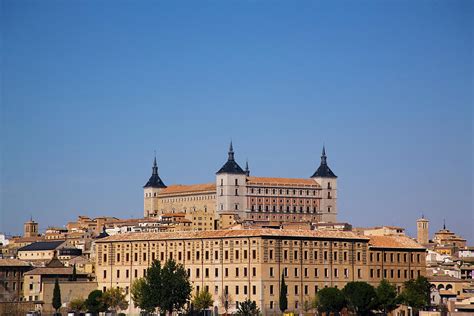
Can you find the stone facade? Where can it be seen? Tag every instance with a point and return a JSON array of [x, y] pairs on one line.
[[249, 263]]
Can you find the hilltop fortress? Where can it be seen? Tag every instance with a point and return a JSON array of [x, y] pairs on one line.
[[237, 196]]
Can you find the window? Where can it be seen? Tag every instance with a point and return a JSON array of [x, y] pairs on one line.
[[118, 273], [296, 289], [216, 272], [254, 289], [105, 274], [236, 290], [237, 272], [271, 272], [105, 257], [254, 271]]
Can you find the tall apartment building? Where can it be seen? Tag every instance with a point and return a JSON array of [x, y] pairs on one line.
[[248, 197], [249, 263]]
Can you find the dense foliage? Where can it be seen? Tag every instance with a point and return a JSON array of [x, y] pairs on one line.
[[283, 294], [330, 300], [202, 300], [164, 288], [416, 293], [56, 296], [95, 302], [360, 297], [387, 299], [115, 299], [248, 308]]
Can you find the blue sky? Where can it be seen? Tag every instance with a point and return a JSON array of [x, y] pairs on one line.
[[91, 88]]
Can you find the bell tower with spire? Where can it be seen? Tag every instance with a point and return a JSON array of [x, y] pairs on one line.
[[328, 182], [231, 186], [151, 190]]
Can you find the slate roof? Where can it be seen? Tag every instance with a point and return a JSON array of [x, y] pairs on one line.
[[323, 171], [42, 245], [155, 180], [231, 166]]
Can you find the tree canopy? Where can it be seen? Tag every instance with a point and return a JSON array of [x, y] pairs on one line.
[[416, 293], [283, 293], [78, 305], [202, 300], [248, 308], [95, 302], [330, 299], [114, 298], [56, 296], [167, 288], [360, 297], [387, 299]]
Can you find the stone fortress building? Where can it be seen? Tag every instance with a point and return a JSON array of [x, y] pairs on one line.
[[237, 196]]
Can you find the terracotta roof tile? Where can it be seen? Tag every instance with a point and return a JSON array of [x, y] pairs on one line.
[[234, 233], [179, 188], [283, 181], [13, 263], [394, 242]]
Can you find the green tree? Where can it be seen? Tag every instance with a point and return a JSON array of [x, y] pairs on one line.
[[176, 287], [248, 308], [331, 300], [154, 286], [360, 297], [78, 305], [95, 302], [56, 296], [416, 293], [114, 298], [283, 294], [202, 300], [387, 299], [74, 273], [139, 293]]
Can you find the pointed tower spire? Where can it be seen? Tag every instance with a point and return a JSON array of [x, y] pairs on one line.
[[247, 170], [444, 223], [155, 166], [231, 166], [323, 171], [154, 181], [323, 156], [231, 152]]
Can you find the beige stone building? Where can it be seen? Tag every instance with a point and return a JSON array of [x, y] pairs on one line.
[[247, 197], [11, 279], [39, 285], [249, 263]]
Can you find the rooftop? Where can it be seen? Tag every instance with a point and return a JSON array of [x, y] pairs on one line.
[[179, 188], [13, 263], [235, 234], [42, 245], [282, 181], [395, 242]]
